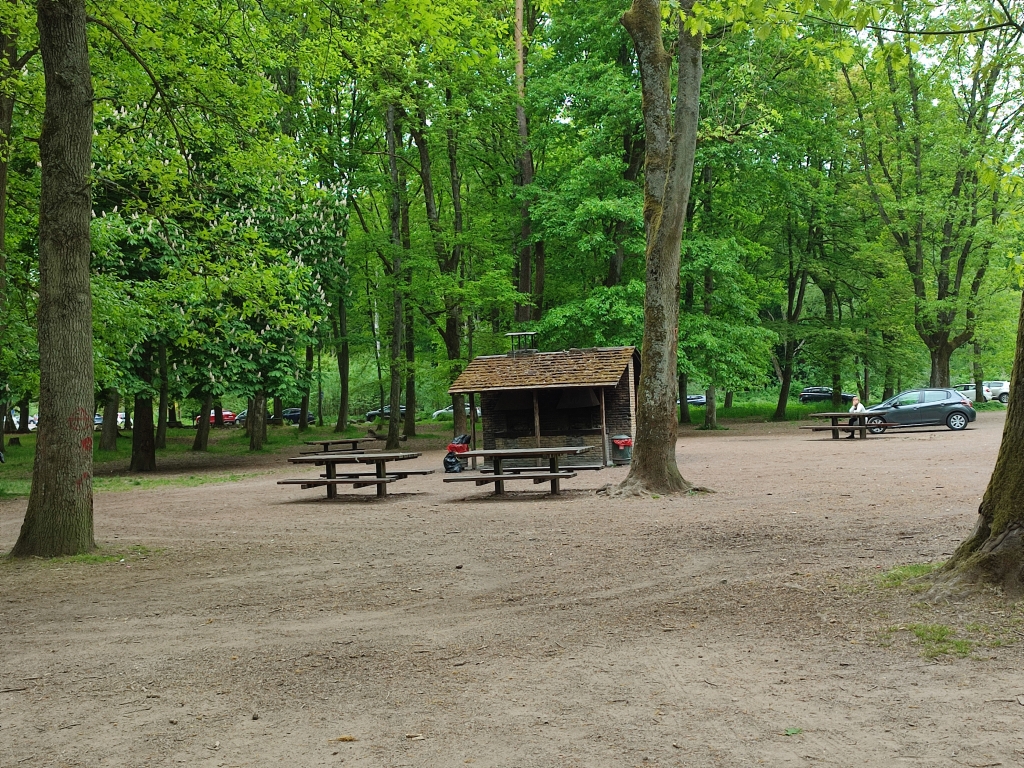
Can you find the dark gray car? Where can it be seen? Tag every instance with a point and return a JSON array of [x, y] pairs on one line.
[[924, 408]]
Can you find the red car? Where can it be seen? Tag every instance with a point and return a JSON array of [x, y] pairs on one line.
[[229, 419]]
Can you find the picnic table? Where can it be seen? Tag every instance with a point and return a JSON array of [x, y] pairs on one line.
[[499, 475], [861, 425], [352, 442], [332, 478]]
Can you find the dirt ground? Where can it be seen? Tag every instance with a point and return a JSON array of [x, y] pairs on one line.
[[267, 626]]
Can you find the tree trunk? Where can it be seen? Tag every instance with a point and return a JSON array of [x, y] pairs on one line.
[[994, 553], [108, 437], [203, 432], [23, 409], [787, 382], [668, 160], [127, 415], [397, 310], [278, 412], [728, 400], [979, 375], [249, 407], [341, 349], [161, 411], [304, 405], [143, 436], [940, 355], [524, 161], [257, 421], [684, 406], [218, 414], [710, 408], [888, 388], [410, 374], [172, 413], [59, 518]]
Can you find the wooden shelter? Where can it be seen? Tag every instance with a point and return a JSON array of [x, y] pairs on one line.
[[545, 399]]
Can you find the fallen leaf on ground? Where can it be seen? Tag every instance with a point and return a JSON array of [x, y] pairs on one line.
[[345, 738]]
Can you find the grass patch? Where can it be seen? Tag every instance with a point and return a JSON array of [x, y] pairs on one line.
[[938, 640], [122, 555], [991, 405], [901, 574]]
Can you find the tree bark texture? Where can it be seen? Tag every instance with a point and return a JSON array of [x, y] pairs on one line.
[[257, 421], [684, 406], [59, 518], [668, 178], [410, 374], [994, 553], [710, 408], [109, 435], [203, 430]]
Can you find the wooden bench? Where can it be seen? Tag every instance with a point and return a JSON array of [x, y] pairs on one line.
[[401, 474], [853, 427], [499, 479], [568, 468], [355, 482]]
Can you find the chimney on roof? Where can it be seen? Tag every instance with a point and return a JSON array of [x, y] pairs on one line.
[[523, 343]]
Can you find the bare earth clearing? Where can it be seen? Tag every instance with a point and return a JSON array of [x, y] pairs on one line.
[[445, 628]]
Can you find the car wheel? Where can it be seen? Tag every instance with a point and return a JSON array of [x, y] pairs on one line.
[[1004, 398], [876, 420], [956, 421]]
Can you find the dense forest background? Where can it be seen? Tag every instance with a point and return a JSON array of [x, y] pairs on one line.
[[315, 203]]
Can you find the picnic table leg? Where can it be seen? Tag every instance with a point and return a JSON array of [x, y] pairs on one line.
[[555, 490], [499, 485], [863, 427], [835, 424], [382, 489], [332, 473]]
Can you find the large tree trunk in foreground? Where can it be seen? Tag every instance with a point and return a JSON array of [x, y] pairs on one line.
[[59, 516], [994, 553], [668, 168], [203, 430]]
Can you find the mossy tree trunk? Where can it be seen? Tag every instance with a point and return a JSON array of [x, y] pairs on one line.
[[994, 553], [59, 518], [257, 422], [668, 176], [109, 435]]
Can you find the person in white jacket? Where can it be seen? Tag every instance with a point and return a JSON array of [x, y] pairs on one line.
[[857, 407]]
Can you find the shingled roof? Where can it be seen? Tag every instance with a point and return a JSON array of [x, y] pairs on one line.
[[596, 367]]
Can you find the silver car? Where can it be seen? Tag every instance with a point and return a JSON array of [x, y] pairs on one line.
[[923, 408], [970, 390], [1000, 390]]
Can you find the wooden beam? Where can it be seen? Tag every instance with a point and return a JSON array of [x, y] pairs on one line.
[[536, 418], [604, 431]]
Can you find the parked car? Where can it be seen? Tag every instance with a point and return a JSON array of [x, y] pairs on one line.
[[240, 418], [229, 418], [1000, 390], [383, 414], [699, 400], [821, 394], [970, 390], [923, 408], [294, 415], [450, 410]]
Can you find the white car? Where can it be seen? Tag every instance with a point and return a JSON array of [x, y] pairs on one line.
[[1000, 390], [451, 409], [970, 391]]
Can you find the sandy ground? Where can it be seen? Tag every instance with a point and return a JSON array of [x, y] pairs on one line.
[[443, 627]]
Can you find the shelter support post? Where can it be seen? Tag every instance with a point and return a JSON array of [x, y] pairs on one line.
[[536, 421], [604, 431], [472, 426]]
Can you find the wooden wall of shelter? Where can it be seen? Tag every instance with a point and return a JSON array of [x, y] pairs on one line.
[[548, 399]]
